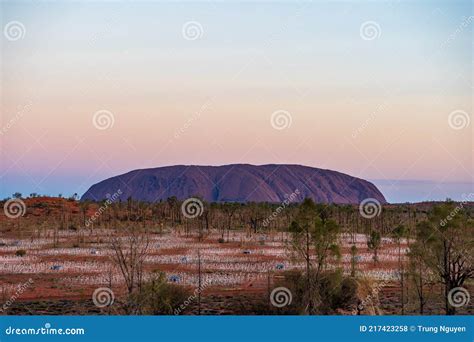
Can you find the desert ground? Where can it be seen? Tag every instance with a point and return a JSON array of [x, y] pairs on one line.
[[51, 264]]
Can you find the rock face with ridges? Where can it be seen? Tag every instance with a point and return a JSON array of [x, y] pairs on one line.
[[236, 183]]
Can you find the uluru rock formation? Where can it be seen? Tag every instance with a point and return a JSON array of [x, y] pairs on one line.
[[236, 183]]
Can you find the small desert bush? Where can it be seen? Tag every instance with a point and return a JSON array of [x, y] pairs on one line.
[[158, 297], [39, 205], [20, 253], [332, 292]]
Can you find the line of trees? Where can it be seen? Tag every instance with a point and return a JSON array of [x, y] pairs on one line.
[[434, 241]]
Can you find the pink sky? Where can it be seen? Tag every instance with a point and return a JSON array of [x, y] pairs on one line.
[[376, 109]]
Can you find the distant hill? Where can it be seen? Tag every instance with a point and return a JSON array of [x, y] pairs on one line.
[[236, 183]]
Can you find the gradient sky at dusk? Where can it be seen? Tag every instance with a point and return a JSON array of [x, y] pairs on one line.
[[376, 109]]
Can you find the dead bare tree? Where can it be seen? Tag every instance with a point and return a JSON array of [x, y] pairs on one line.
[[130, 250]]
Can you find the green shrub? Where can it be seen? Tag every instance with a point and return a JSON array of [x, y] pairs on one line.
[[332, 291], [158, 297]]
